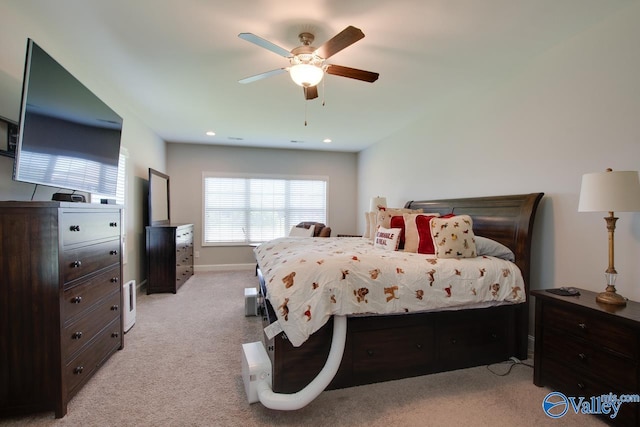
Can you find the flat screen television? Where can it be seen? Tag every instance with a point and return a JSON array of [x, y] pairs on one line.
[[68, 138]]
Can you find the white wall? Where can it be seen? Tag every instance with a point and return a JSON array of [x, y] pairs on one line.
[[187, 162], [145, 148], [573, 110]]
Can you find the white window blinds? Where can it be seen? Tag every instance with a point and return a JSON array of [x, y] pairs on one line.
[[243, 210]]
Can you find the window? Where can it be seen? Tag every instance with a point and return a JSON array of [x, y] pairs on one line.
[[254, 209], [121, 181], [120, 195]]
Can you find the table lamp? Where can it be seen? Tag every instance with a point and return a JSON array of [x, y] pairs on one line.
[[608, 192], [377, 202]]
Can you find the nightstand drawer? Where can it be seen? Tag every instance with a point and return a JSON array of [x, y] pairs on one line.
[[573, 384], [586, 359], [614, 336]]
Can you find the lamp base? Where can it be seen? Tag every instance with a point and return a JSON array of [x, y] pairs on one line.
[[611, 297]]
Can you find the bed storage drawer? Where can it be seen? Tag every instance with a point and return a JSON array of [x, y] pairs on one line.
[[385, 354], [462, 338]]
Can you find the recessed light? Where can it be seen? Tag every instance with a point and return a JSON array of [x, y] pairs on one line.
[[327, 141], [211, 133]]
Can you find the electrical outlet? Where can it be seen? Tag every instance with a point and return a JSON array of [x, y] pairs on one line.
[[197, 254]]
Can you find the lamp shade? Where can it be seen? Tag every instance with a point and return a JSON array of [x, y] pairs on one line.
[[377, 201], [306, 75], [610, 191]]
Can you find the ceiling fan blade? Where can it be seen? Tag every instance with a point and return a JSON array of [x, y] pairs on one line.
[[352, 73], [250, 37], [310, 92], [263, 75], [344, 39]]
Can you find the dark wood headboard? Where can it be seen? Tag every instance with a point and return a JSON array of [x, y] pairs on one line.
[[506, 219]]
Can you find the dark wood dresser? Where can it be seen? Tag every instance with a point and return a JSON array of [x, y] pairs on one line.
[[60, 299], [169, 257], [584, 348]]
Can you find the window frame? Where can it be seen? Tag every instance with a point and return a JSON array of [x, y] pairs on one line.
[[247, 176]]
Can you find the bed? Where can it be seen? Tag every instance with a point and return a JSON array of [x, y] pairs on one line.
[[381, 347]]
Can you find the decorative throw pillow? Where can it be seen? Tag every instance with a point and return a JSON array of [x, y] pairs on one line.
[[373, 215], [397, 221], [301, 231], [486, 246], [453, 237], [387, 238], [385, 215], [417, 233], [367, 226]]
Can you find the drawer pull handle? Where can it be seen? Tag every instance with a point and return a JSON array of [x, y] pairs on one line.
[[76, 335], [76, 300], [114, 307], [74, 228], [454, 341], [115, 335], [78, 370], [113, 224], [419, 346], [113, 252], [582, 326], [582, 356], [581, 386], [76, 264], [370, 353], [114, 280]]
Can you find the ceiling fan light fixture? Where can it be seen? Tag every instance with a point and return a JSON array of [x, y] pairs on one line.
[[306, 75]]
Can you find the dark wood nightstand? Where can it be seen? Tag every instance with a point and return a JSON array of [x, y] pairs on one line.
[[584, 348]]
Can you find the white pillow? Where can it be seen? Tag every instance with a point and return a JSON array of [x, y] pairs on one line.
[[387, 238], [485, 246], [367, 226], [301, 231], [372, 224]]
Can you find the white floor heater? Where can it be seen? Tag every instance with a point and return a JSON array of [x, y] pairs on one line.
[[129, 297]]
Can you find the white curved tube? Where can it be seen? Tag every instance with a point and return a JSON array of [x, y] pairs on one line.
[[300, 399]]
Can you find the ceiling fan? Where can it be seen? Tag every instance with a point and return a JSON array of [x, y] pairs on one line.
[[308, 64]]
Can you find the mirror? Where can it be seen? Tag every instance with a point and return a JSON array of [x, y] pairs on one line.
[[159, 213]]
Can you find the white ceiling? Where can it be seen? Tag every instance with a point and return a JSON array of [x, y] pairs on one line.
[[177, 62]]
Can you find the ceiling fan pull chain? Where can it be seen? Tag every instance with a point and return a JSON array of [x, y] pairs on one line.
[[305, 112], [323, 92]]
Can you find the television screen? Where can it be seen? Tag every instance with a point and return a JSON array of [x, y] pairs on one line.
[[68, 137]]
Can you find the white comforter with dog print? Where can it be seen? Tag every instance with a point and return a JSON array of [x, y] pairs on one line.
[[310, 279]]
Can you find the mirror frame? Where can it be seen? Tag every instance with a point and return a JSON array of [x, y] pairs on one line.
[[154, 191]]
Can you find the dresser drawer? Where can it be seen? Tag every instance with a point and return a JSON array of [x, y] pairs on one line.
[[78, 370], [615, 336], [184, 235], [84, 330], [183, 273], [85, 295], [576, 354], [81, 261], [79, 227]]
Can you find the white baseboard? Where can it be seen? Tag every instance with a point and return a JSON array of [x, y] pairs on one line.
[[224, 267]]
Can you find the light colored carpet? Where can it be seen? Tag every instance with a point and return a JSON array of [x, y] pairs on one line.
[[182, 361]]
